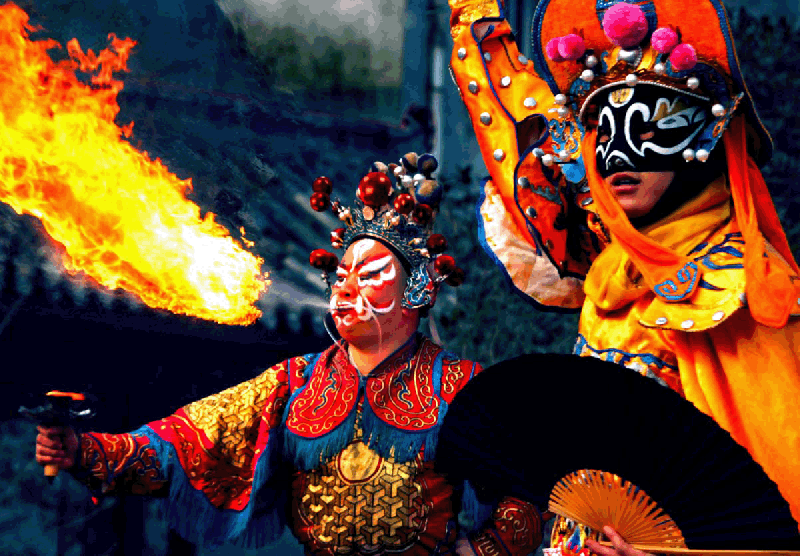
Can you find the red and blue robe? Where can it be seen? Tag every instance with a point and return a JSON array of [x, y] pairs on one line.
[[345, 460]]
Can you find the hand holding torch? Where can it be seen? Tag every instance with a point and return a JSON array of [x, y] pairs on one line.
[[59, 412]]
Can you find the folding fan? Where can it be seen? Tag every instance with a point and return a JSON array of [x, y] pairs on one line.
[[593, 433]]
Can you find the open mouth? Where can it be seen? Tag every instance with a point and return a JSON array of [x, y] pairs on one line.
[[619, 180], [624, 183]]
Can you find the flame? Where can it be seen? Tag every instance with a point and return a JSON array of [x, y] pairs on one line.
[[121, 218]]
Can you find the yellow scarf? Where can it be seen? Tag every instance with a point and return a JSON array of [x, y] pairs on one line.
[[771, 296], [613, 281]]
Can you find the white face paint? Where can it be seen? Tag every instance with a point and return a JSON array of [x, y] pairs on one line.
[[373, 293], [646, 129], [683, 119], [607, 119]]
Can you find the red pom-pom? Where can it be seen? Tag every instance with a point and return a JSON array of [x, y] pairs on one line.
[[320, 201], [552, 50], [374, 189], [316, 258], [323, 260], [322, 185], [683, 57], [444, 265], [338, 234], [456, 277], [571, 47], [423, 214], [436, 244], [404, 203], [625, 25], [664, 39]]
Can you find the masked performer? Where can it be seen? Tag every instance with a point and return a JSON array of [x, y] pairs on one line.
[[345, 437], [625, 184]]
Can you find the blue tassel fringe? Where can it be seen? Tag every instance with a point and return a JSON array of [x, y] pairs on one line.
[[473, 513], [309, 453], [389, 441], [192, 516]]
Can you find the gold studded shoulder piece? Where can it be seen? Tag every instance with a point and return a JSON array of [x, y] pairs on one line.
[[527, 140], [465, 12]]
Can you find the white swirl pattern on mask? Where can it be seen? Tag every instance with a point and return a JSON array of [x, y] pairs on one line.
[[685, 118], [608, 115]]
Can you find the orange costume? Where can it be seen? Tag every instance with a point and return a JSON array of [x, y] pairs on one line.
[[706, 299]]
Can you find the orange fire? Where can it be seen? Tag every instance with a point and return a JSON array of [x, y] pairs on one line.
[[122, 218]]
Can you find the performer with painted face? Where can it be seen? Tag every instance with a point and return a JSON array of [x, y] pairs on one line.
[[345, 438], [625, 184]]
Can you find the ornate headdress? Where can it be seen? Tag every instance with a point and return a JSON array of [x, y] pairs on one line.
[[685, 47], [400, 216]]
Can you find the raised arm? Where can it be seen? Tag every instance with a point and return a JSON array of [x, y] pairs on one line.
[[532, 221]]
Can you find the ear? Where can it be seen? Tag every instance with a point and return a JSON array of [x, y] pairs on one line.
[[408, 313]]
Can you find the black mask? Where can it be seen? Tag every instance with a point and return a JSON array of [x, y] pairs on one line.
[[646, 128]]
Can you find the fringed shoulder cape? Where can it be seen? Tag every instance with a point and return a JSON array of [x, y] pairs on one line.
[[344, 459]]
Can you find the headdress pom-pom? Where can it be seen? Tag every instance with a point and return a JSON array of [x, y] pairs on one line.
[[429, 192], [625, 25], [379, 167], [552, 50], [320, 199], [323, 260], [422, 213], [571, 47], [436, 244], [456, 277], [374, 189], [664, 40], [427, 164], [404, 203], [683, 57]]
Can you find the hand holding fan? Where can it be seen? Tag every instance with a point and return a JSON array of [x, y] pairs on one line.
[[670, 479]]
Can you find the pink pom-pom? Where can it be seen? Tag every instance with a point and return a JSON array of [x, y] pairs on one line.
[[625, 25], [571, 47], [552, 50], [683, 57], [664, 39]]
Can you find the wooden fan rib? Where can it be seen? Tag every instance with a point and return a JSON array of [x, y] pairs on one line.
[[596, 498], [632, 508], [661, 549]]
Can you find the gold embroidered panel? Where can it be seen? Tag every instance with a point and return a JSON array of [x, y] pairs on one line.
[[361, 503], [230, 419]]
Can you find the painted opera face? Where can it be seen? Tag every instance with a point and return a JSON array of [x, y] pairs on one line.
[[366, 297], [642, 132]]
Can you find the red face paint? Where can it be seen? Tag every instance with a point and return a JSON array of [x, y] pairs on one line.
[[369, 285]]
